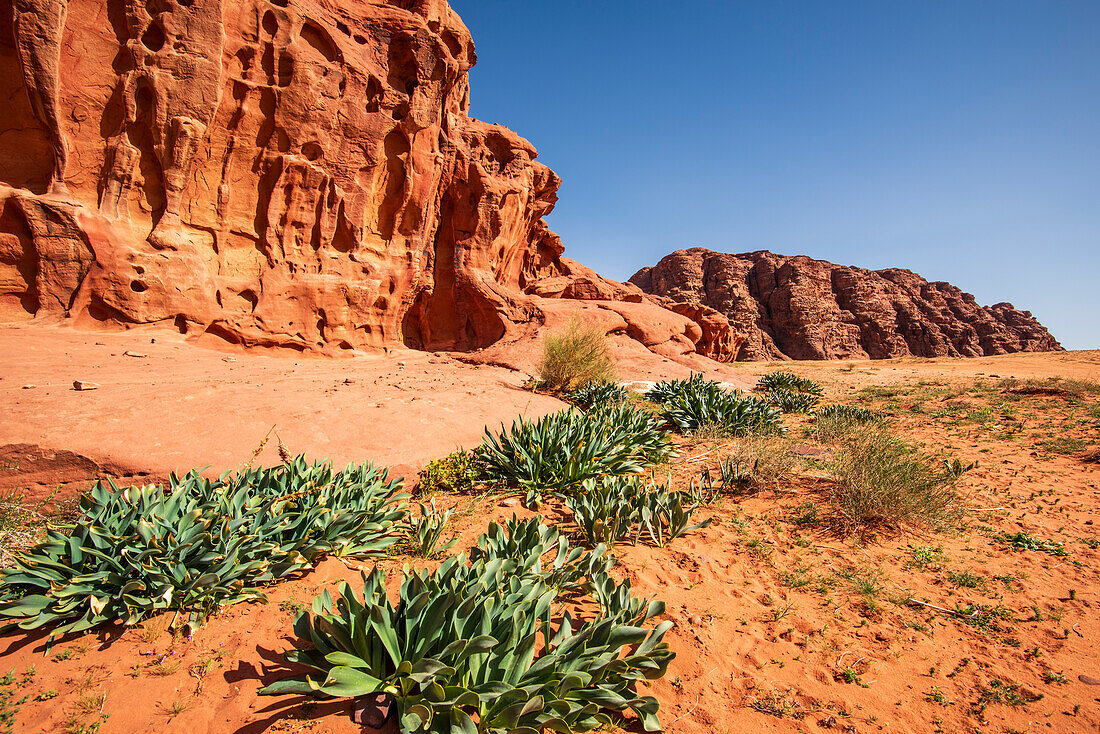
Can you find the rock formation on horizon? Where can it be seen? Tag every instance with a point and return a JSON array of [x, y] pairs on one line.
[[293, 173], [801, 308]]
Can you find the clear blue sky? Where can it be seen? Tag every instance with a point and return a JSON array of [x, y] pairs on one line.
[[957, 138]]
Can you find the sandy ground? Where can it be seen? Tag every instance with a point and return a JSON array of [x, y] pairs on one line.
[[780, 625], [165, 405]]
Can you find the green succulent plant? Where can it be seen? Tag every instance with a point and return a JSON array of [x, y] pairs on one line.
[[790, 401], [789, 382], [558, 451], [697, 403], [613, 508], [848, 413], [485, 646], [197, 544], [668, 390], [729, 412], [598, 394], [426, 531]]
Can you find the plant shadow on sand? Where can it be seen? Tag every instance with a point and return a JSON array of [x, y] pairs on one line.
[[273, 668]]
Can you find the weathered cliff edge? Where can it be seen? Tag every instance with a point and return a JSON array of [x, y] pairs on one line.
[[801, 308], [292, 173]]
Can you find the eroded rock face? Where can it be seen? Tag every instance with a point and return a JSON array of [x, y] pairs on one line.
[[801, 308], [298, 173]]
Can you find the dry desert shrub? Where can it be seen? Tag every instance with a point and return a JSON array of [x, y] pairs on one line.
[[574, 357], [883, 483], [767, 460]]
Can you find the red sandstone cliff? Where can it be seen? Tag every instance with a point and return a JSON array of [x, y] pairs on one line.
[[801, 308], [297, 173]]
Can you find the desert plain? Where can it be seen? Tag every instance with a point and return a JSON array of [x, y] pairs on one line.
[[780, 622]]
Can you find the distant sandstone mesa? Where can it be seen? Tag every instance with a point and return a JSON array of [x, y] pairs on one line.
[[801, 308], [294, 173]]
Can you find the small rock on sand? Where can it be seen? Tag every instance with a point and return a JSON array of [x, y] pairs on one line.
[[81, 385]]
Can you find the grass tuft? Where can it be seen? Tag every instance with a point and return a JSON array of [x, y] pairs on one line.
[[574, 357]]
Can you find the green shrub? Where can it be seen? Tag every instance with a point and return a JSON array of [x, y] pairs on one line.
[[789, 401], [883, 483], [724, 413], [1023, 541], [613, 508], [851, 413], [668, 390], [560, 450], [789, 382], [426, 532], [198, 544], [486, 641], [698, 404], [569, 570], [458, 472], [606, 510], [574, 357], [598, 394]]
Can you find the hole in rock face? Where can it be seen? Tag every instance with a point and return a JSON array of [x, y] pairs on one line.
[[218, 298], [316, 37], [271, 26], [281, 3], [181, 323], [373, 93], [138, 287], [186, 3], [313, 151], [153, 38], [249, 297], [452, 44]]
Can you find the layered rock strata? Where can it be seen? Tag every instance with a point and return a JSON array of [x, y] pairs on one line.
[[801, 308]]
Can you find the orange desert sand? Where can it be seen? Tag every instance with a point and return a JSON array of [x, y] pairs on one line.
[[780, 625]]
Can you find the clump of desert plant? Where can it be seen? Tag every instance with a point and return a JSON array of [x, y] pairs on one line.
[[598, 394], [606, 510], [573, 357], [485, 646], [1022, 541], [612, 509], [789, 401], [198, 544], [955, 468], [698, 404], [564, 567], [834, 422], [789, 382], [753, 462], [883, 483], [457, 472], [560, 450], [426, 532], [668, 390], [24, 524]]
